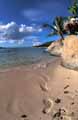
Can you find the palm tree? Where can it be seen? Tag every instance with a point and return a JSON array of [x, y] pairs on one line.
[[56, 27], [74, 9]]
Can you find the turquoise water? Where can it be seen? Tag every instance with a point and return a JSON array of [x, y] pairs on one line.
[[22, 56]]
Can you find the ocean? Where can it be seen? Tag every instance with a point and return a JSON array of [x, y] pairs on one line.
[[10, 57]]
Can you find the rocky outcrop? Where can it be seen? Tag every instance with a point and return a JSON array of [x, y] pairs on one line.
[[69, 53], [55, 48]]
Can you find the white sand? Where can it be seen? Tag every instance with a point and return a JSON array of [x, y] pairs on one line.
[[21, 92]]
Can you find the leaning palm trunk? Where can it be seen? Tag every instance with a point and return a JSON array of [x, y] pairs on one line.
[[59, 24], [60, 33], [62, 37]]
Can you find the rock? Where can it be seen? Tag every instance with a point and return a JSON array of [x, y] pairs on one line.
[[70, 52], [48, 106], [55, 48]]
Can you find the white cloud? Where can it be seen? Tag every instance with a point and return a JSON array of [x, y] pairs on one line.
[[13, 31], [2, 41], [30, 29]]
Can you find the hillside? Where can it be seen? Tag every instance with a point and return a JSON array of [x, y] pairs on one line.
[[44, 44]]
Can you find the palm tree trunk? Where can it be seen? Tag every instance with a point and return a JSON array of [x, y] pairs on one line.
[[62, 37]]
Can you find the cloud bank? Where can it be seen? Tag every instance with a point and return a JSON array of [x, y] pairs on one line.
[[14, 32]]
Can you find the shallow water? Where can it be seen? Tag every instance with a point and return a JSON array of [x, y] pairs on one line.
[[22, 56]]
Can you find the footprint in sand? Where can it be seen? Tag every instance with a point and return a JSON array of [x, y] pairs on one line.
[[58, 100], [67, 86], [66, 92], [61, 114], [65, 118], [44, 86], [24, 117], [48, 105]]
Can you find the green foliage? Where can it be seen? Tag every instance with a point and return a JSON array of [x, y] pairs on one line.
[[74, 8], [56, 27]]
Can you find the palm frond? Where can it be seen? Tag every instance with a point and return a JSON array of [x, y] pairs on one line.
[[51, 34], [74, 8], [49, 26]]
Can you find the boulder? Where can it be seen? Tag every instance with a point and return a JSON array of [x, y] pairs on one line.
[[69, 52], [55, 48]]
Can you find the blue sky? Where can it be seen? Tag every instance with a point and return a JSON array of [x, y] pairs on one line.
[[21, 20]]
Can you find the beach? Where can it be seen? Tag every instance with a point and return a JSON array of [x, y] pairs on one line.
[[23, 91], [39, 60]]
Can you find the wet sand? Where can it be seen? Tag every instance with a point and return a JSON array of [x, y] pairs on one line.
[[39, 92]]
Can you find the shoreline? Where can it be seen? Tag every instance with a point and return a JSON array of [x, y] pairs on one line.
[[23, 91], [38, 64]]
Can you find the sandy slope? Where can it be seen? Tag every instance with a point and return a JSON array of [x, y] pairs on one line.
[[22, 92]]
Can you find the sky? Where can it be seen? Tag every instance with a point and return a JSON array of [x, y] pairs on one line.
[[21, 20]]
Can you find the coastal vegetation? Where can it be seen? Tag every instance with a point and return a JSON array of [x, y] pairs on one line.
[[56, 27], [74, 9], [65, 25], [44, 44], [67, 46], [71, 25]]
